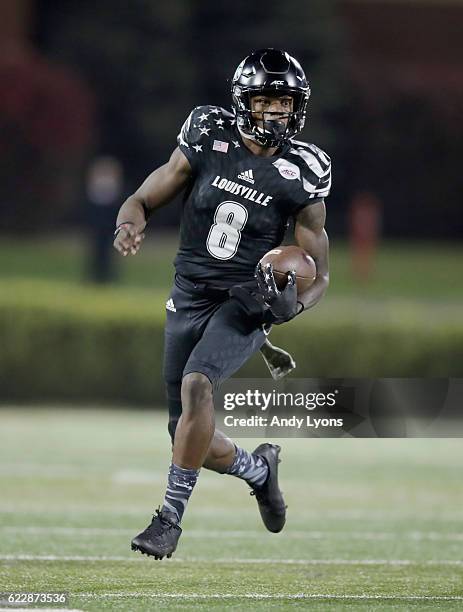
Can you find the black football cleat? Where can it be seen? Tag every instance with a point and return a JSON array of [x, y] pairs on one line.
[[160, 537], [272, 506]]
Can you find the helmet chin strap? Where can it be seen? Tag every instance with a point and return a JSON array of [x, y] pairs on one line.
[[249, 136], [274, 129]]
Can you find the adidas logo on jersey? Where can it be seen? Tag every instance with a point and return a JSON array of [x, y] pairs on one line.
[[247, 176], [170, 305]]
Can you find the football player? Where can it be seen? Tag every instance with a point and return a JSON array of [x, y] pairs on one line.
[[245, 178]]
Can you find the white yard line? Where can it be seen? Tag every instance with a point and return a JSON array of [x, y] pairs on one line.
[[240, 534], [265, 596], [237, 561]]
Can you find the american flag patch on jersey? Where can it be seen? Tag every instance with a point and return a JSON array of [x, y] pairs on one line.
[[220, 146]]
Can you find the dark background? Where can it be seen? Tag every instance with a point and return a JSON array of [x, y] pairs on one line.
[[79, 79]]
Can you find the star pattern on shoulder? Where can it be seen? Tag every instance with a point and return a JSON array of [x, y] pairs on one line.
[[204, 130], [219, 121], [198, 148], [215, 111], [236, 143], [203, 117]]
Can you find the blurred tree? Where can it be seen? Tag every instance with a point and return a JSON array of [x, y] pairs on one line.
[[45, 121]]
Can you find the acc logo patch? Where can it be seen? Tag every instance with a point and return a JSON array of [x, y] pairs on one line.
[[288, 173], [287, 169]]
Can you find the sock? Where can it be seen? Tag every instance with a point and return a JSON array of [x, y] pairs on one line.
[[249, 467], [180, 484]]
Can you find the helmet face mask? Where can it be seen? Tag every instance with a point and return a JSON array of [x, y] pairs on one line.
[[269, 72]]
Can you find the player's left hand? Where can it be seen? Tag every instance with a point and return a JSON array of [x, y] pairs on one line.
[[283, 305], [128, 239]]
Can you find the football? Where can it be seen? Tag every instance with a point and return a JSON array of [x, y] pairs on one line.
[[287, 258]]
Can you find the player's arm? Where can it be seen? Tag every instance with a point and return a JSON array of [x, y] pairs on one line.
[[158, 189], [311, 235]]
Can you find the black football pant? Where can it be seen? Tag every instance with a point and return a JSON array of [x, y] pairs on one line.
[[206, 332]]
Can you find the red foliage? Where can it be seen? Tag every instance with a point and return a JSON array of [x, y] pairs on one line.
[[49, 104]]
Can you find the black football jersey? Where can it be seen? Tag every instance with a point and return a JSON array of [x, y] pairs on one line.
[[239, 203]]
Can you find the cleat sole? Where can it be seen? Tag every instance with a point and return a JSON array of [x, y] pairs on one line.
[[161, 542], [144, 552]]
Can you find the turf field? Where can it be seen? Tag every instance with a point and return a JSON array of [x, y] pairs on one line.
[[372, 524]]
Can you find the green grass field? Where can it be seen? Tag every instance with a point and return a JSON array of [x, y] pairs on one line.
[[372, 524]]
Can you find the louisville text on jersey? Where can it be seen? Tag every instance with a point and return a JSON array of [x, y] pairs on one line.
[[245, 192]]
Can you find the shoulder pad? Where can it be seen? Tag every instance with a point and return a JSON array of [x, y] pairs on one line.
[[315, 166], [205, 121]]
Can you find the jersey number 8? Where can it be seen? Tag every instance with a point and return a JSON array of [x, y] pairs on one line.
[[225, 233]]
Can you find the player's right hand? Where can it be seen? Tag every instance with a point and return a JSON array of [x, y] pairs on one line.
[[283, 304], [128, 239]]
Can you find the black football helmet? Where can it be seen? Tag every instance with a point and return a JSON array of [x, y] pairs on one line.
[[269, 72]]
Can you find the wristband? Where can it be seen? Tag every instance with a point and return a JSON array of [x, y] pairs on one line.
[[121, 226], [302, 308]]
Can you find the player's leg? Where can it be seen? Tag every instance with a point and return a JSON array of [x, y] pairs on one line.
[[220, 454], [186, 320], [190, 444], [228, 342], [259, 469], [195, 428], [187, 395]]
